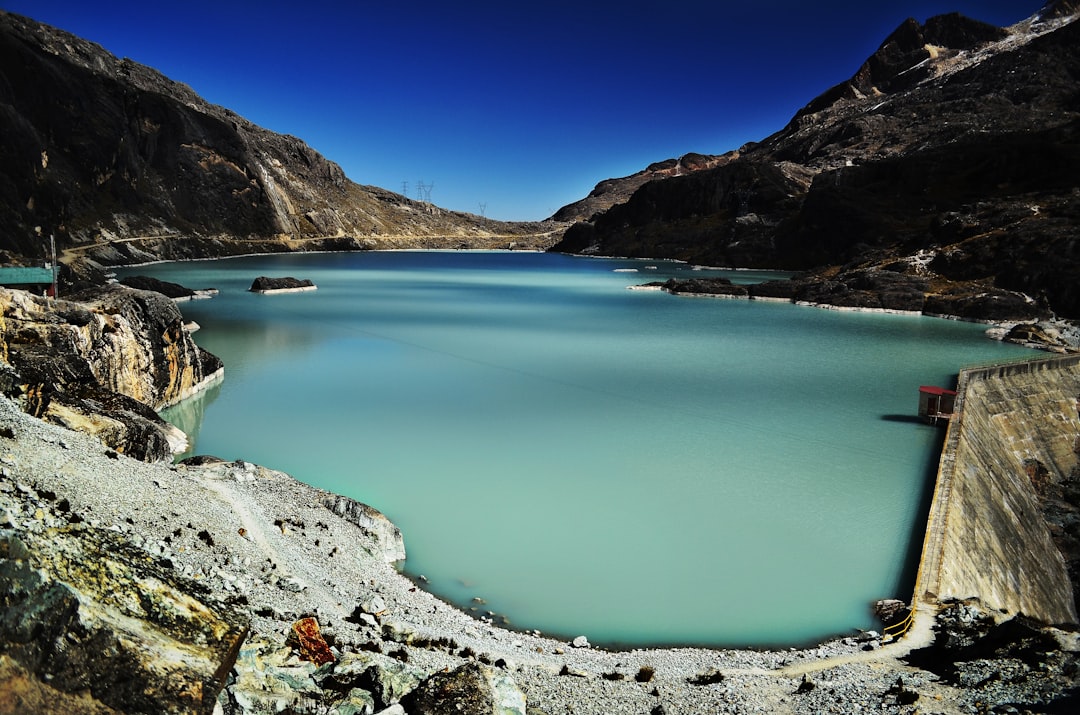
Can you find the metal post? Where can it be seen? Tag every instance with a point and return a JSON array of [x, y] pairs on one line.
[[55, 288]]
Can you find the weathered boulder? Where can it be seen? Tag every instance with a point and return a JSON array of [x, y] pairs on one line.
[[372, 522], [386, 680], [268, 679], [84, 611], [470, 689], [102, 362], [266, 284]]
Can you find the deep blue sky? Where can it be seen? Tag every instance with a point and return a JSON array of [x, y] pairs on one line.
[[521, 106]]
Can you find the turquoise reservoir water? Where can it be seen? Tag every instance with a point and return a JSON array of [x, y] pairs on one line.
[[628, 465]]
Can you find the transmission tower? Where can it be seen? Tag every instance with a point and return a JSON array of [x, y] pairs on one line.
[[483, 208], [405, 189]]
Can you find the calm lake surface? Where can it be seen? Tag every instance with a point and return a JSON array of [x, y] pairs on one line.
[[589, 460]]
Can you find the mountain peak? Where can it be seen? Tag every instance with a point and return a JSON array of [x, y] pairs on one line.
[[1058, 9], [910, 54]]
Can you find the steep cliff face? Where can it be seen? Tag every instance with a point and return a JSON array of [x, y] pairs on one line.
[[102, 364], [956, 143], [616, 191], [98, 149]]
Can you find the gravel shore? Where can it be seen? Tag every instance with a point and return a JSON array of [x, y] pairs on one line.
[[259, 537]]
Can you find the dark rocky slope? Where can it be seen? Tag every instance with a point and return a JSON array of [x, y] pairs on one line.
[[616, 191], [99, 151], [951, 156]]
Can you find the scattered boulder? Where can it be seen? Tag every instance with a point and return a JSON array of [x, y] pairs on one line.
[[710, 676], [900, 695], [1042, 336], [384, 678], [268, 679], [470, 689], [372, 522], [310, 642], [891, 611]]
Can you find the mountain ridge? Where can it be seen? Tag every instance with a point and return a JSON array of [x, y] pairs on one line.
[[100, 150], [964, 154]]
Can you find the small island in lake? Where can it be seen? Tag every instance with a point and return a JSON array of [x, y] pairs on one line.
[[266, 285]]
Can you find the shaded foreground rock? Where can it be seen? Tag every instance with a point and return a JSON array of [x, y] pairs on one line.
[[84, 611]]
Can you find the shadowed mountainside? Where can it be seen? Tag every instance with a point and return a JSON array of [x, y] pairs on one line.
[[950, 156], [99, 151]]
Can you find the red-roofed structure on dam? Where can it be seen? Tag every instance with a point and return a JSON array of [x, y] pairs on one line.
[[936, 403]]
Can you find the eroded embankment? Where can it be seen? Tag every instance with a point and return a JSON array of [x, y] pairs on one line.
[[986, 537]]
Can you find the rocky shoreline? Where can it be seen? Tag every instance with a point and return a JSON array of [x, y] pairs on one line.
[[268, 551], [1012, 317]]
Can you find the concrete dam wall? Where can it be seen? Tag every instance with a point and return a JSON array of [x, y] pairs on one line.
[[986, 537]]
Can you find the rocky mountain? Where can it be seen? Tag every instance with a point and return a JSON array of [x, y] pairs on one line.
[[949, 159], [121, 163], [616, 191]]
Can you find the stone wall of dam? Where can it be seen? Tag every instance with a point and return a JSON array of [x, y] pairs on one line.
[[986, 536]]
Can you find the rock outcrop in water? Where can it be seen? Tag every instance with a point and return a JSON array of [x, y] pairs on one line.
[[951, 155], [102, 364], [288, 284]]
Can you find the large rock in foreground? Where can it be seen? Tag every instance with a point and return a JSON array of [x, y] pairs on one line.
[[83, 611]]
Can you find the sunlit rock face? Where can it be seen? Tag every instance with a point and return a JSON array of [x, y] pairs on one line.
[[102, 364]]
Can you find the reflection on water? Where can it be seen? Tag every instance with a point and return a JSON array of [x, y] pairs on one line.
[[188, 415], [629, 465]]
